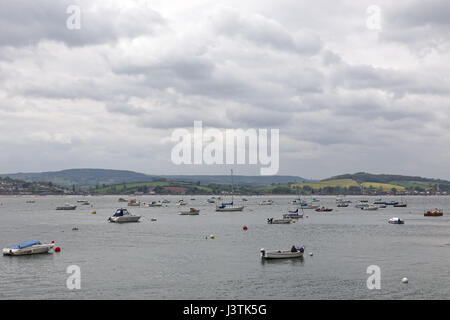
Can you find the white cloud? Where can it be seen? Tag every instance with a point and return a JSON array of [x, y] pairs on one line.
[[345, 98]]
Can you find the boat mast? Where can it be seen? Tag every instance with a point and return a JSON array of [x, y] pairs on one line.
[[232, 188]]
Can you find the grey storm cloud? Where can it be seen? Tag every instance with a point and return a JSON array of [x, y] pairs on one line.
[[137, 70], [26, 22]]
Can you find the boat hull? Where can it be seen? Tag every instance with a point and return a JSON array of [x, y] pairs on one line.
[[278, 254], [279, 221], [124, 219], [229, 209], [36, 249], [66, 208]]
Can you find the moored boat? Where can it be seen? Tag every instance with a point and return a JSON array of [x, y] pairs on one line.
[[266, 202], [434, 213], [27, 248], [133, 203], [282, 254], [122, 215], [370, 207], [324, 209], [229, 207], [293, 215], [279, 221], [66, 207], [309, 206], [396, 221], [191, 212], [155, 204]]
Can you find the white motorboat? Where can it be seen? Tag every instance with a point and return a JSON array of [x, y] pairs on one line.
[[279, 221], [83, 202], [122, 215], [181, 203], [211, 200], [396, 221], [361, 205], [266, 202], [191, 212], [166, 201], [342, 205], [27, 248], [282, 254], [66, 207]]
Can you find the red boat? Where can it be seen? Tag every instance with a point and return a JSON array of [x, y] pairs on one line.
[[323, 209]]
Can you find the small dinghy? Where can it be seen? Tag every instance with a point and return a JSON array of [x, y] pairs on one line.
[[154, 204], [370, 207], [191, 212], [122, 215], [278, 221], [66, 207], [295, 252], [396, 221], [134, 203], [27, 248], [266, 202]]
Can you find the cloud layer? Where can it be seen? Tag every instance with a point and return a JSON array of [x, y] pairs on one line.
[[345, 98]]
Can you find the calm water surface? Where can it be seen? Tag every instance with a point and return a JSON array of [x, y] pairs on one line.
[[173, 257]]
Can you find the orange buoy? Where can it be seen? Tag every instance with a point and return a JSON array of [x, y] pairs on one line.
[[57, 249]]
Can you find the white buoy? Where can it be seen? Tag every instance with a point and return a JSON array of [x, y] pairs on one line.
[[311, 254], [405, 280]]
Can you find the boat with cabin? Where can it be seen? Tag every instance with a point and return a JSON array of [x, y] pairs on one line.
[[27, 248], [123, 215]]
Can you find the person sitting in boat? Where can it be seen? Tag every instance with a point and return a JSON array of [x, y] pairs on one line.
[[293, 249]]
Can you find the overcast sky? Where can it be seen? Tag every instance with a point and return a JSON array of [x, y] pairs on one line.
[[346, 96]]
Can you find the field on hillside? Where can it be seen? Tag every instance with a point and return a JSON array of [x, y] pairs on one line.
[[384, 186], [343, 183], [347, 183]]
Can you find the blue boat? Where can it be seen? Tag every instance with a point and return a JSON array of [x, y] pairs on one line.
[[28, 247]]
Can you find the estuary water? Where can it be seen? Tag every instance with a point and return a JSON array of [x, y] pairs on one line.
[[175, 258]]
